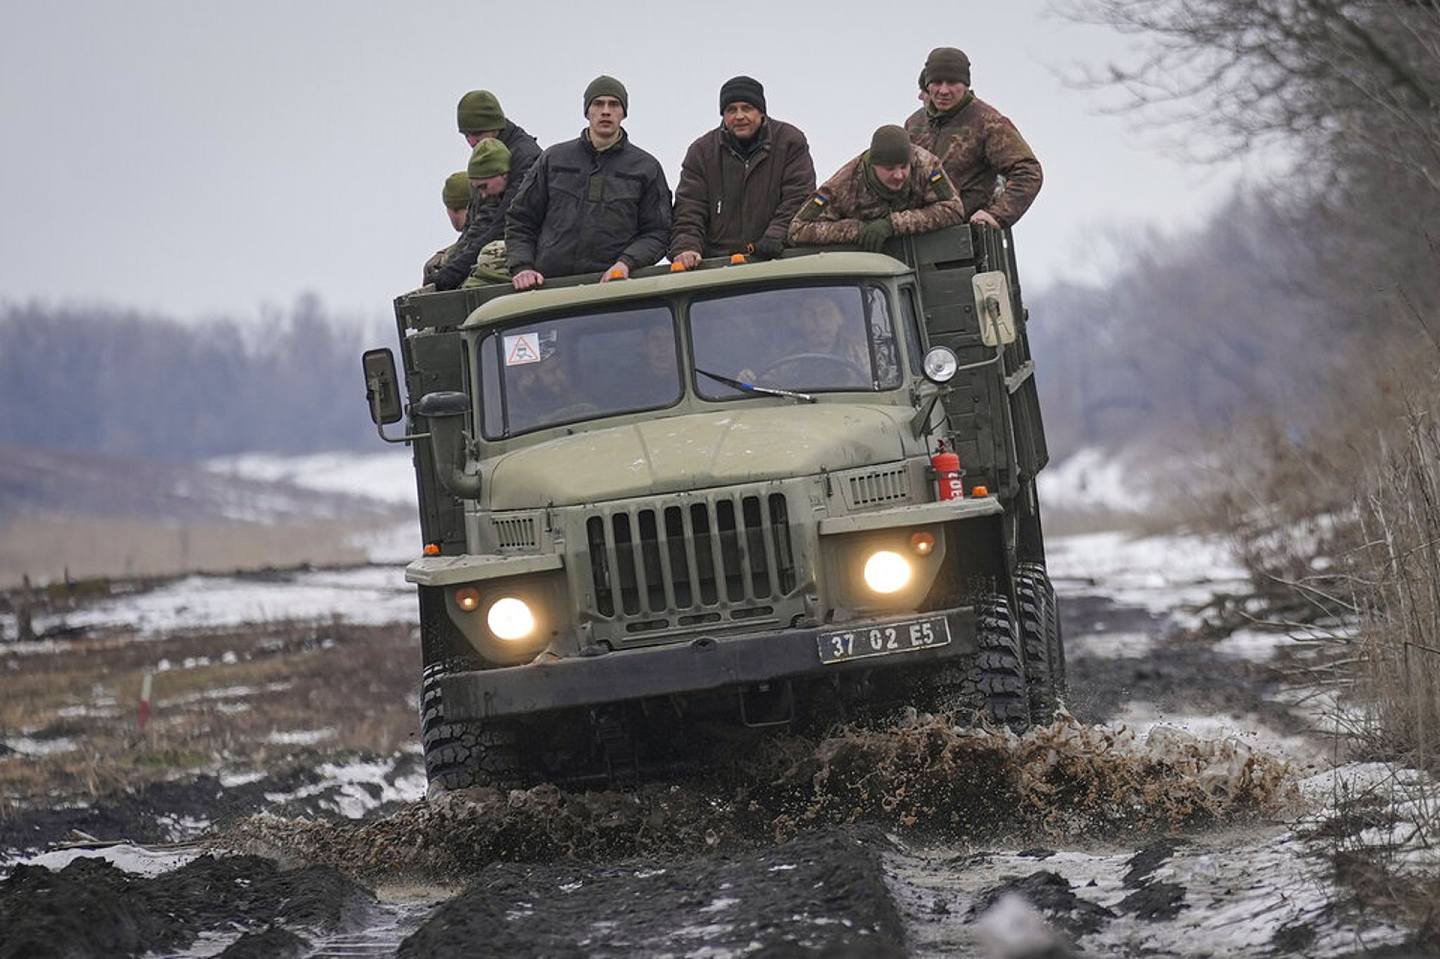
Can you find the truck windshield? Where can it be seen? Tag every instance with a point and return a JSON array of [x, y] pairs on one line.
[[578, 368], [806, 339]]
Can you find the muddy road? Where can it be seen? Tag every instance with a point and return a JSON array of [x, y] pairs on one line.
[[273, 804]]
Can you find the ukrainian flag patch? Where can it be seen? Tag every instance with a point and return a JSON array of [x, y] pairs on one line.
[[820, 199], [936, 176]]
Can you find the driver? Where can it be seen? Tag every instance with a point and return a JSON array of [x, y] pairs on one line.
[[822, 327], [544, 391]]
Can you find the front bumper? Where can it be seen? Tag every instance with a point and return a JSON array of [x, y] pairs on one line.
[[705, 663]]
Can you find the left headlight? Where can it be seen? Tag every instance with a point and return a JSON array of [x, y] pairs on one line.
[[887, 572], [510, 618]]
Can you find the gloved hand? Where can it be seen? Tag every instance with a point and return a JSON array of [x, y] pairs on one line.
[[874, 234], [768, 248]]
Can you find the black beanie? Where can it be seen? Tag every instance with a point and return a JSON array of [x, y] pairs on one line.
[[890, 146], [744, 89], [947, 65]]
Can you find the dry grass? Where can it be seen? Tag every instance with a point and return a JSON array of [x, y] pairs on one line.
[[1397, 576], [218, 704]]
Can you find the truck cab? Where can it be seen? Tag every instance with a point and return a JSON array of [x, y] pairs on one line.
[[716, 493]]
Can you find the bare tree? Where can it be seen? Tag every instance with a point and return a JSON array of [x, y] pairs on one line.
[[1317, 74]]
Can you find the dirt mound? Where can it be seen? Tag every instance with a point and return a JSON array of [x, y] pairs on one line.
[[927, 776], [91, 908]]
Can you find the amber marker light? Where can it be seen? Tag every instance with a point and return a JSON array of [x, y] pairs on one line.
[[980, 491], [431, 549], [677, 267], [617, 274], [467, 598], [922, 543], [737, 258]]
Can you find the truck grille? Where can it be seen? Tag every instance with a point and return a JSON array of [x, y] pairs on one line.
[[702, 553]]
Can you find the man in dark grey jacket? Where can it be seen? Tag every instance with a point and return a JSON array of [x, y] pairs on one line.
[[595, 203], [480, 118]]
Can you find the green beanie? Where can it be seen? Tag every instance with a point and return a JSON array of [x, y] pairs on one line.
[[489, 158], [603, 86], [890, 146], [456, 194], [947, 65], [479, 111]]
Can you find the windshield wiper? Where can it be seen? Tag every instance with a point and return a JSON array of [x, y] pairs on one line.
[[753, 388]]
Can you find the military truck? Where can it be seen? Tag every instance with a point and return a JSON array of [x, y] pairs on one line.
[[722, 499]]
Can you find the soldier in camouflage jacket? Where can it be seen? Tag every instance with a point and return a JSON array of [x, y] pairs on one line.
[[894, 188], [975, 142]]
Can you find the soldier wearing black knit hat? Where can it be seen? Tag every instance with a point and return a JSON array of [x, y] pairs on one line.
[[741, 183], [612, 204]]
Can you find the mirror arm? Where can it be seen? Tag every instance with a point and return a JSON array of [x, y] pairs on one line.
[[380, 428]]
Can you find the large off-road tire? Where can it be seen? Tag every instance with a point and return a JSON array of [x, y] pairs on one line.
[[1039, 621], [458, 754], [992, 685]]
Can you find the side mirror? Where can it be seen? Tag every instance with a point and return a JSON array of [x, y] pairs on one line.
[[992, 304], [382, 388]]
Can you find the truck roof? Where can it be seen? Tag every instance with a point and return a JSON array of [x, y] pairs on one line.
[[840, 264]]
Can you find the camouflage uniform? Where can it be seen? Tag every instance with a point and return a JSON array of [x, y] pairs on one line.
[[844, 202], [489, 267], [977, 145]]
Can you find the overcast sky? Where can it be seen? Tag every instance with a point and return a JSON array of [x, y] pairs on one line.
[[203, 157]]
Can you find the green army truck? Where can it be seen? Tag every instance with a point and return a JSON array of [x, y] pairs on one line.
[[705, 500]]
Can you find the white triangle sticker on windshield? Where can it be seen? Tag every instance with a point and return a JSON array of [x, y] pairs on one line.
[[522, 348]]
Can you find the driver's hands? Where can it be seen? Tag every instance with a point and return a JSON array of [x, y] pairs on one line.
[[689, 259], [620, 271], [527, 279], [874, 234]]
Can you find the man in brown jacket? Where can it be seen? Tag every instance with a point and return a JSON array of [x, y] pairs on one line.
[[975, 142], [893, 188], [741, 183]]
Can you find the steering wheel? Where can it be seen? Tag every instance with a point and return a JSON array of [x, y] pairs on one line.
[[830, 358]]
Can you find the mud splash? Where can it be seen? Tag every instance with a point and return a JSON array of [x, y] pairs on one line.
[[925, 776]]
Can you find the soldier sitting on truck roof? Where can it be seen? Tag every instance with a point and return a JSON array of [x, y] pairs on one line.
[[480, 118], [489, 173], [892, 188], [987, 159], [456, 197], [597, 202], [742, 182]]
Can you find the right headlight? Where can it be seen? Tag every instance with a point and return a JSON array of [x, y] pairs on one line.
[[887, 572]]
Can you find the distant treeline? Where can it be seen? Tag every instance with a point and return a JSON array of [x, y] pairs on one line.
[[114, 381], [1194, 333]]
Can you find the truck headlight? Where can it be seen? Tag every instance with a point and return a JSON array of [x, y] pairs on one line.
[[887, 572], [510, 618]]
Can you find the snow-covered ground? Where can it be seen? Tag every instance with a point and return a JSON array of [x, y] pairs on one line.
[[385, 475]]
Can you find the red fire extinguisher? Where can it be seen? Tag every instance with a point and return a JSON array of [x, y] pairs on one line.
[[946, 465]]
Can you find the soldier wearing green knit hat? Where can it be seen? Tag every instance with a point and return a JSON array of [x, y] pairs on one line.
[[455, 195], [489, 169], [481, 119]]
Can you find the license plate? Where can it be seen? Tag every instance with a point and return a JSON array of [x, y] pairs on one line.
[[885, 640]]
